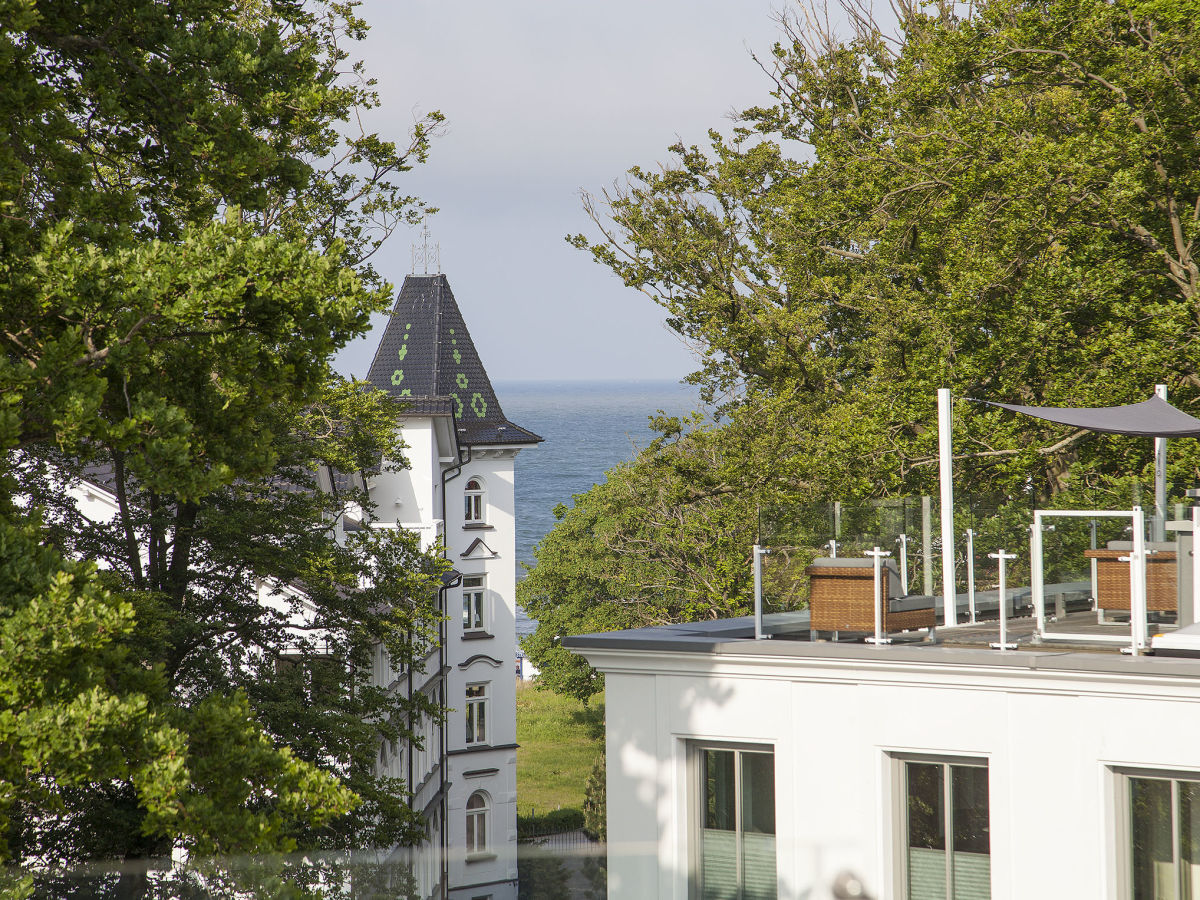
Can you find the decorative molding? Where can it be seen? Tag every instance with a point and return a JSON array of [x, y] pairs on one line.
[[481, 657], [480, 773], [478, 549], [482, 748]]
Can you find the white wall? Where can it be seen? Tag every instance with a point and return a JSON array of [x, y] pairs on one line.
[[412, 498], [410, 495], [1051, 741], [496, 666]]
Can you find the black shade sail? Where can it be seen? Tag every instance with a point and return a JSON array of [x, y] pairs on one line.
[[1150, 418]]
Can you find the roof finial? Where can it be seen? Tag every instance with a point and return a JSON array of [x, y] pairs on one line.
[[424, 254]]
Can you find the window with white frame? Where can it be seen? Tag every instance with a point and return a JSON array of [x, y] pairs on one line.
[[475, 502], [1162, 821], [477, 713], [477, 823], [474, 605], [735, 824], [946, 830]]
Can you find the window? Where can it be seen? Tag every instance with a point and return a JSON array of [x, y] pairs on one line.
[[736, 813], [946, 800], [474, 502], [1164, 836], [477, 816], [474, 611], [476, 713]]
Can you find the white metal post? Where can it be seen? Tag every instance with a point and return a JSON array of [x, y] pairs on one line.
[[878, 555], [1003, 644], [926, 546], [1196, 563], [833, 549], [971, 573], [1160, 478], [946, 470], [758, 632], [1035, 572], [1137, 584], [1095, 575], [903, 541]]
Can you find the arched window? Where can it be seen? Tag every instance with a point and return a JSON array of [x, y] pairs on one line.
[[477, 822], [475, 502]]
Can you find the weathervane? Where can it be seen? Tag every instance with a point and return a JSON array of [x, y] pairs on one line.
[[426, 254]]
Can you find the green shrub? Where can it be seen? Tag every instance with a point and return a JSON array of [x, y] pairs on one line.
[[595, 802]]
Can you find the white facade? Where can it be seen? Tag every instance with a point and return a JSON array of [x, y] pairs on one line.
[[1060, 735], [479, 655], [458, 488]]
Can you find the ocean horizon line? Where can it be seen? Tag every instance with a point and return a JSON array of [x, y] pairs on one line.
[[679, 382]]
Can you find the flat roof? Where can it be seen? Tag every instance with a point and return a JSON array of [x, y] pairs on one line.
[[961, 645]]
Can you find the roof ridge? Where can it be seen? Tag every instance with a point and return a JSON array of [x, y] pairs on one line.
[[437, 327]]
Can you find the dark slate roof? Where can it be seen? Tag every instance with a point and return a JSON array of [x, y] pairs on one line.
[[426, 355], [427, 406]]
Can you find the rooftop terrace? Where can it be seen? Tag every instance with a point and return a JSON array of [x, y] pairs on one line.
[[965, 645]]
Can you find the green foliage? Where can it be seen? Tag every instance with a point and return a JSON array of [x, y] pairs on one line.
[[595, 801], [1005, 203], [558, 738], [541, 877], [664, 539], [186, 223]]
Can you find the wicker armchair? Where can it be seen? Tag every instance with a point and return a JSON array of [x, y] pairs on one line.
[[842, 598], [1112, 577]]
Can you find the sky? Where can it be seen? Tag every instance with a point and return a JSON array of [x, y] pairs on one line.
[[543, 99]]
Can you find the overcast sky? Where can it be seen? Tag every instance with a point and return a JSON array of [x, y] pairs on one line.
[[544, 98]]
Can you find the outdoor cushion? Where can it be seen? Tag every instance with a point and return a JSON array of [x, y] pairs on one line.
[[910, 603], [1150, 545]]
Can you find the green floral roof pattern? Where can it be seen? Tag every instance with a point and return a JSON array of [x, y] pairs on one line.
[[427, 352]]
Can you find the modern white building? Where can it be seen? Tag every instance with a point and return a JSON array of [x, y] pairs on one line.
[[743, 768], [458, 489]]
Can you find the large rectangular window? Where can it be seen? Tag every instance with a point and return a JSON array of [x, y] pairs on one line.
[[736, 812], [1164, 837], [947, 852]]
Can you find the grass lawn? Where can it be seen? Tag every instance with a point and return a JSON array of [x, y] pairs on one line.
[[560, 740]]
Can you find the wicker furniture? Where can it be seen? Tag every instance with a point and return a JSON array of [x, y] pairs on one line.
[[1112, 577], [842, 598]]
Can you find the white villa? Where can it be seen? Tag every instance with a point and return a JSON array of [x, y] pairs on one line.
[[459, 488], [756, 758]]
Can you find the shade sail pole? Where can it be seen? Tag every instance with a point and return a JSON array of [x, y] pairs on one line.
[[946, 475], [1160, 478]]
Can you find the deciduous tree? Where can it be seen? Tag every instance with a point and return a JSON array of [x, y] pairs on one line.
[[187, 220], [1003, 200]]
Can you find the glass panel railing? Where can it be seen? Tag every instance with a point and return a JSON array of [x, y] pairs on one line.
[[1083, 564], [1086, 574]]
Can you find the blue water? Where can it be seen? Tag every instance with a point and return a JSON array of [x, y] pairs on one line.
[[589, 427]]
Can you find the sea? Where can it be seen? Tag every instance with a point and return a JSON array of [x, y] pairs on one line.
[[589, 427]]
